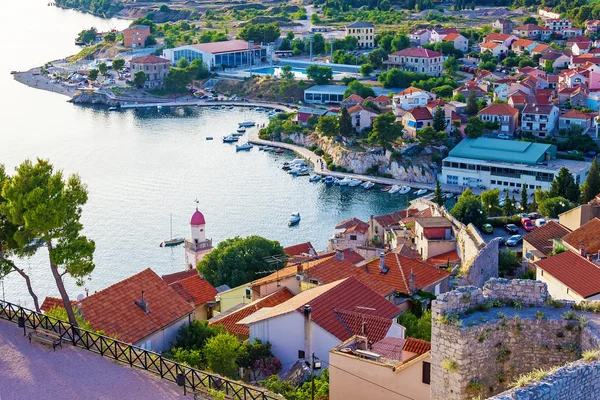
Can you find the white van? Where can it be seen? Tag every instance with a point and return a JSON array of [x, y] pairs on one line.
[[540, 222]]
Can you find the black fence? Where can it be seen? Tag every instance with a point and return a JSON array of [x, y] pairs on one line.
[[184, 376]]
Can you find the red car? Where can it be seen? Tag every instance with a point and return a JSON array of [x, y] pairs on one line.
[[527, 224]]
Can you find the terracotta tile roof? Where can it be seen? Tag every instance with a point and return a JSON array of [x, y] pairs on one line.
[[443, 259], [579, 39], [417, 346], [170, 278], [195, 289], [451, 37], [52, 302], [530, 27], [359, 107], [435, 103], [499, 109], [406, 251], [114, 309], [354, 98], [299, 249], [382, 99], [490, 45], [588, 236], [539, 109], [400, 268], [523, 43], [353, 224], [575, 272], [497, 36], [390, 348], [410, 90], [539, 48], [334, 309], [578, 114], [417, 52], [151, 59], [420, 113], [230, 321], [542, 237]]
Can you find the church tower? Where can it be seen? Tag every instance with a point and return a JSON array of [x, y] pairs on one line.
[[197, 246]]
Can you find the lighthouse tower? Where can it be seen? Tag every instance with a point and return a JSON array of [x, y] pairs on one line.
[[197, 246]]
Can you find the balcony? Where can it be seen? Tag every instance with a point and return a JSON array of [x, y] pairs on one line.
[[207, 244]]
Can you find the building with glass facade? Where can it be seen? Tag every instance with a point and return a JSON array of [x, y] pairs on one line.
[[229, 54]]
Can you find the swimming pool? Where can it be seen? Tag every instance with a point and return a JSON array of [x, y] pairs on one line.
[[275, 71]]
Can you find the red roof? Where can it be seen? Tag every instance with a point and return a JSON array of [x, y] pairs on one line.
[[358, 108], [299, 249], [579, 39], [577, 273], [353, 224], [230, 320], [586, 236], [400, 267], [576, 114], [497, 36], [420, 113], [499, 109], [223, 47], [451, 37], [417, 346], [151, 59], [114, 309], [417, 52], [443, 259], [353, 98], [52, 302], [531, 27], [197, 218], [542, 238], [177, 276], [195, 289]]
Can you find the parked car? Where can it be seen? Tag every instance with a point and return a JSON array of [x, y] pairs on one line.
[[528, 226], [503, 136], [487, 228], [534, 215], [514, 240], [501, 241], [511, 228], [540, 222], [524, 220], [524, 215]]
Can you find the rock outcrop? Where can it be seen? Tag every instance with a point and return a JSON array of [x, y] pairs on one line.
[[93, 98]]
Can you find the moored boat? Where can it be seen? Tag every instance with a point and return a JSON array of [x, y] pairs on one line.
[[314, 178], [209, 138], [345, 182], [294, 219], [247, 124], [229, 139], [404, 189], [386, 189], [241, 129], [354, 182], [395, 189], [368, 185], [245, 146], [329, 180], [421, 192]]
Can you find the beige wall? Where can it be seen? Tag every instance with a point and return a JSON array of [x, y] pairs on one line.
[[233, 297], [573, 219], [556, 288], [365, 36], [291, 283], [407, 380]]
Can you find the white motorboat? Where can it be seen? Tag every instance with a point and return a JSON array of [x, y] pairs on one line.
[[230, 139], [241, 129], [247, 124], [395, 189], [404, 189], [355, 182], [303, 172], [237, 134], [450, 195], [259, 109], [421, 192], [298, 161], [245, 146], [329, 180], [112, 109], [315, 178], [294, 219], [345, 182], [368, 185]]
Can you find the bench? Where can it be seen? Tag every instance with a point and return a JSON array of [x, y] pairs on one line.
[[47, 337]]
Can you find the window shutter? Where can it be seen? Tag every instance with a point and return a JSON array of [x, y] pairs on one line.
[[426, 372]]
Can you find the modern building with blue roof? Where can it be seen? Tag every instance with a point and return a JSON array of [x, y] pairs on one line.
[[506, 164]]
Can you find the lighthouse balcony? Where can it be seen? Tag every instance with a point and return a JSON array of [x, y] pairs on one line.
[[198, 246]]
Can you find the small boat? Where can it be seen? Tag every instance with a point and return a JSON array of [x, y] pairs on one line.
[[173, 241], [237, 134], [314, 178], [354, 182], [447, 196], [404, 189], [245, 146], [286, 166], [294, 219], [209, 138], [112, 109], [345, 182], [279, 151], [303, 172], [247, 124], [259, 109], [241, 129], [395, 189], [329, 180], [368, 185], [214, 108], [230, 139], [386, 189], [298, 161], [421, 192]]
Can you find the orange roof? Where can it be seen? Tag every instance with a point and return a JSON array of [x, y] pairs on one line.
[[578, 114], [575, 272], [299, 249], [451, 37], [174, 277], [353, 224], [410, 90], [354, 97], [114, 309], [417, 346], [523, 43], [490, 45], [443, 259], [420, 113], [588, 236], [358, 108], [230, 320], [382, 99], [151, 59], [542, 238], [499, 109], [52, 302], [401, 267], [497, 36], [540, 47], [195, 289]]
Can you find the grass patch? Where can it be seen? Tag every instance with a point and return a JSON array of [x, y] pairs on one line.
[[591, 355], [450, 365], [534, 376]]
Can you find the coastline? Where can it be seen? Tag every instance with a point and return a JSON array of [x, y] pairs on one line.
[[34, 79]]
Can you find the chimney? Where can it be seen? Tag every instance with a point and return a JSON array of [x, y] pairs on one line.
[[143, 304], [307, 323], [582, 251], [299, 268], [589, 257], [339, 255], [382, 261], [412, 286]]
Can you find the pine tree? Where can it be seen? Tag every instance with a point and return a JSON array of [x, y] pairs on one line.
[[472, 108], [564, 185], [345, 123], [438, 196], [591, 187], [524, 198], [439, 119], [507, 207]]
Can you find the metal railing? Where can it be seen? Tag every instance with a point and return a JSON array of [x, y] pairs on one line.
[[182, 375]]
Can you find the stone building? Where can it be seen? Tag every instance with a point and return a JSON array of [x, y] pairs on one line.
[[155, 68]]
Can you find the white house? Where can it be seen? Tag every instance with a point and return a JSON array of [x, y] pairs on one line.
[[410, 98], [319, 319], [497, 49], [438, 34], [501, 38], [420, 37], [459, 41], [540, 120], [350, 233], [362, 117]]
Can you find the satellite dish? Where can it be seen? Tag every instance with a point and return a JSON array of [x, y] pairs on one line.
[[528, 256], [80, 297]]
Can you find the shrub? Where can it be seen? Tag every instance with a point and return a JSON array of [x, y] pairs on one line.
[[475, 386], [450, 365], [569, 315], [539, 315], [555, 303], [591, 355], [534, 376], [503, 354], [319, 152]]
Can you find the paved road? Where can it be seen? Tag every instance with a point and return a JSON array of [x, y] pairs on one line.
[[501, 232]]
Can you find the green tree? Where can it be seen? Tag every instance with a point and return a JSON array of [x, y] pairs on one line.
[[183, 63], [319, 74], [472, 108], [508, 262], [103, 69], [491, 201], [87, 35], [195, 334], [366, 69], [554, 206], [438, 195], [474, 127], [356, 87], [564, 185], [139, 79], [44, 205], [251, 352], [177, 79], [385, 43], [439, 119], [201, 68], [400, 42], [385, 130], [377, 57], [444, 91], [93, 74], [524, 198], [345, 123], [469, 210], [110, 37], [118, 64], [384, 5], [321, 388], [450, 65], [221, 353], [328, 125], [286, 73], [260, 33], [591, 186], [430, 137], [419, 328], [508, 207], [237, 260]]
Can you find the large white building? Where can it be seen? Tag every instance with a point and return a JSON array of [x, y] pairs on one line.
[[419, 60], [232, 53], [506, 164]]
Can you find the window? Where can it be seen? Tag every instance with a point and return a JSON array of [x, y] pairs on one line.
[[352, 237], [437, 289], [426, 373], [248, 293]]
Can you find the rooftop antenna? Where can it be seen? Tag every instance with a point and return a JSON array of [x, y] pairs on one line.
[[197, 202]]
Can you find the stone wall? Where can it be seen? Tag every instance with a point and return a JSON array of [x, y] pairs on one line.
[[577, 381], [483, 267], [483, 339]]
